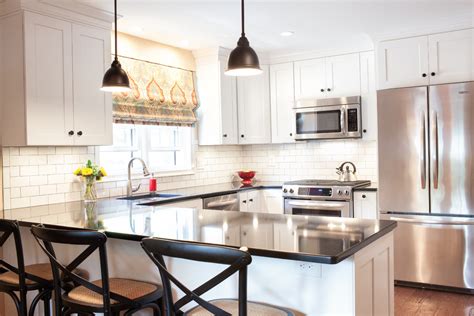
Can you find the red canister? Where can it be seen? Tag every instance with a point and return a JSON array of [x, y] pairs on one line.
[[152, 185]]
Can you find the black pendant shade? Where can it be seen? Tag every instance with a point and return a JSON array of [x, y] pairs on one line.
[[243, 60], [115, 79]]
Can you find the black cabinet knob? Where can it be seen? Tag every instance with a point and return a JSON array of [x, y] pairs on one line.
[[433, 74], [225, 135], [251, 200], [365, 131], [329, 89], [423, 75], [322, 90], [79, 133], [242, 136], [244, 201], [364, 196], [71, 133], [291, 134]]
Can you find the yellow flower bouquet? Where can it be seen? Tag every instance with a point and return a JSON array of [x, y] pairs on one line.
[[90, 173]]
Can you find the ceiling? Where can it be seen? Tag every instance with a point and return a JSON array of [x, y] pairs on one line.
[[317, 25]]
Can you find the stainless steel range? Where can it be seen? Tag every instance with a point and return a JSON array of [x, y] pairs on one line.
[[321, 197]]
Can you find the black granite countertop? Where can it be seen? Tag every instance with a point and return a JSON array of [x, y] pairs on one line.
[[316, 239], [372, 187]]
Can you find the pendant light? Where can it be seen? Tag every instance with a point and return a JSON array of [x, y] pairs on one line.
[[243, 60], [115, 79]]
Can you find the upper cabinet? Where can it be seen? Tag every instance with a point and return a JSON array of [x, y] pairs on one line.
[[423, 60], [253, 96], [368, 95], [282, 100], [328, 77], [56, 72], [217, 112]]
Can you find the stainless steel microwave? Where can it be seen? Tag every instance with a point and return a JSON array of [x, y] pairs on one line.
[[328, 118]]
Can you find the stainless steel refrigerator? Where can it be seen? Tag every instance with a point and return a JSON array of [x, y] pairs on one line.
[[426, 181]]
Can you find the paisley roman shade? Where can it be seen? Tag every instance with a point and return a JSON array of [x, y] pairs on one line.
[[160, 95]]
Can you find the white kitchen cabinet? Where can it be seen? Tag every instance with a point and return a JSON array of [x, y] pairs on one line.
[[250, 201], [272, 201], [365, 204], [253, 104], [403, 63], [257, 235], [368, 94], [92, 108], [55, 68], [328, 77], [310, 78], [451, 56], [282, 100], [217, 112], [195, 203], [343, 75], [285, 237]]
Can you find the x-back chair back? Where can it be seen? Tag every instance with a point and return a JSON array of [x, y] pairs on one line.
[[237, 261], [94, 241]]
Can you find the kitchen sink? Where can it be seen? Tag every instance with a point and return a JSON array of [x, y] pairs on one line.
[[149, 196]]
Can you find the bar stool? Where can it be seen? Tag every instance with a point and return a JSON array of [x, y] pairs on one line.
[[23, 279], [237, 260], [106, 295]]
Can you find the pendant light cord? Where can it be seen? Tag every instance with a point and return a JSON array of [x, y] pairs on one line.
[[243, 17], [115, 21]]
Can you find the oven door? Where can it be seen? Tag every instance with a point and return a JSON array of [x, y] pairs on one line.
[[318, 208], [321, 122]]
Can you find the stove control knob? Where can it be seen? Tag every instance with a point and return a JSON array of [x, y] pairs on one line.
[[339, 192], [292, 191], [347, 192], [285, 190]]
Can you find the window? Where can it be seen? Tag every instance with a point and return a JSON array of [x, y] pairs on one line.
[[163, 148]]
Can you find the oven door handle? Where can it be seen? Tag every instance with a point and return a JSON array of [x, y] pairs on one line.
[[318, 205]]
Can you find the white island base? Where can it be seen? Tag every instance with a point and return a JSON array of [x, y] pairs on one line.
[[360, 285]]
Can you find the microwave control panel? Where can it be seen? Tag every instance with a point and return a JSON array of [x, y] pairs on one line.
[[352, 123]]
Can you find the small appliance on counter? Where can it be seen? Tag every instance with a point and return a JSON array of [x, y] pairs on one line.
[[345, 173], [321, 197], [246, 176]]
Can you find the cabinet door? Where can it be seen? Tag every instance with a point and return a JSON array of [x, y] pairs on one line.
[[253, 96], [92, 107], [254, 201], [48, 72], [310, 79], [257, 235], [403, 63], [451, 57], [343, 75], [228, 105], [272, 201], [369, 96], [282, 99], [365, 205]]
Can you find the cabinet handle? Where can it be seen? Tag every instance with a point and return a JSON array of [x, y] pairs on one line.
[[244, 233], [365, 131], [329, 89], [225, 135], [433, 74], [244, 201], [322, 90], [364, 196], [291, 134], [423, 75], [79, 133], [71, 133], [251, 200], [242, 136]]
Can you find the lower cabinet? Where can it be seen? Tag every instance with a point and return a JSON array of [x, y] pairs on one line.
[[365, 204], [261, 201], [250, 201]]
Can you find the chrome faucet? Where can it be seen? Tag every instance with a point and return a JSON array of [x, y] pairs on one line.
[[130, 188]]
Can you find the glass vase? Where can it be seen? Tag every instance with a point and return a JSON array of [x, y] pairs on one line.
[[89, 191]]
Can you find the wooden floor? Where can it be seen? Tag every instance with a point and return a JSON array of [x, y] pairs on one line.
[[411, 301]]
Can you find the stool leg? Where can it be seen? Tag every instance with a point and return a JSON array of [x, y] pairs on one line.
[[47, 304]]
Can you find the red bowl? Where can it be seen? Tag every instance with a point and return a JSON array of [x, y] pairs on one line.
[[246, 176]]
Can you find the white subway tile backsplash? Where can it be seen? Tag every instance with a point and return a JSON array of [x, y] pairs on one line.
[[28, 170], [30, 191]]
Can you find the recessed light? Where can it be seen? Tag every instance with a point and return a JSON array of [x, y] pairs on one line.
[[287, 33]]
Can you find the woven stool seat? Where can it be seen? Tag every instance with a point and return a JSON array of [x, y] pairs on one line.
[[41, 270], [130, 289], [232, 307]]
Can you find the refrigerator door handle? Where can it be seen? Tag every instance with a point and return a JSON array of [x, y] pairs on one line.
[[436, 151], [423, 154]]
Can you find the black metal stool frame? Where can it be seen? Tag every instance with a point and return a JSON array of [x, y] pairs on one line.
[[94, 240], [44, 287], [237, 260]]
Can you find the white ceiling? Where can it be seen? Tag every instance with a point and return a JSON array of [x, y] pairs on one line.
[[318, 25]]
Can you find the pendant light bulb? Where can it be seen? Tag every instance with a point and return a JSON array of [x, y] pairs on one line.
[[115, 78], [243, 60]]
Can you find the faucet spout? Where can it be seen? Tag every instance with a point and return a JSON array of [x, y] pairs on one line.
[[146, 173]]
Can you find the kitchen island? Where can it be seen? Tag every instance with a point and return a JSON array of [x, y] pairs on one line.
[[313, 265]]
